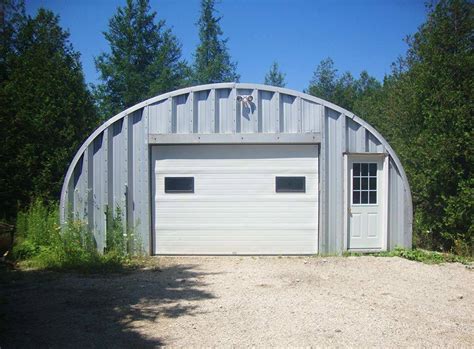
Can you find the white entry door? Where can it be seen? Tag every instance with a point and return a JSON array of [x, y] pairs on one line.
[[235, 199], [367, 222]]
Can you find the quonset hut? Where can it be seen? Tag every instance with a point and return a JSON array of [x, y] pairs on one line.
[[237, 168]]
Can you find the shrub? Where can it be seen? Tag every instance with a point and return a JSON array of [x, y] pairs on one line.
[[43, 243]]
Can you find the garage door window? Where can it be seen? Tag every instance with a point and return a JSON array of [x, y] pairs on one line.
[[174, 185], [290, 184]]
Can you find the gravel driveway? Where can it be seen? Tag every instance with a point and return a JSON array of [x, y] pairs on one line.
[[245, 301]]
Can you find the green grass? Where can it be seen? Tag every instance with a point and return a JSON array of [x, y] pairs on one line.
[[419, 255], [41, 243]]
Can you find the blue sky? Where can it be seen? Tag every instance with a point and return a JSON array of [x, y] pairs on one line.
[[298, 34]]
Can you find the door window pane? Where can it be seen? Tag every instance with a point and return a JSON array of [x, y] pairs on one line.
[[373, 183], [372, 197], [365, 184], [364, 198], [356, 197], [356, 183], [364, 169], [373, 170], [356, 169]]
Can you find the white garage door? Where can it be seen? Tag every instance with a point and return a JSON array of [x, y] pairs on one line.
[[235, 199]]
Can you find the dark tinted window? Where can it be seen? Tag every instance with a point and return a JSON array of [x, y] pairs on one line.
[[290, 184], [179, 184]]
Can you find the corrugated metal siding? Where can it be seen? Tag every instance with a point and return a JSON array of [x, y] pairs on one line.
[[268, 110], [334, 148], [112, 168], [138, 198], [312, 113], [160, 112], [99, 188], [118, 150], [399, 219]]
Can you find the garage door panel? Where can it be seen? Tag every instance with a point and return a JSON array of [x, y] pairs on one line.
[[264, 199], [229, 152], [235, 242], [234, 208]]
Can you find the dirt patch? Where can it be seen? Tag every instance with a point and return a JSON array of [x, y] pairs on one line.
[[260, 301]]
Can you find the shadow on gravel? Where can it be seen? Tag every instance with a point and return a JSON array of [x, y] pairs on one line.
[[57, 310]]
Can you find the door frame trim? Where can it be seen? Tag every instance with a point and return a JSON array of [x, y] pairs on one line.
[[385, 193]]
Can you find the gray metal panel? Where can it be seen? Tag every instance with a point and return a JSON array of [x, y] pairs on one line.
[[355, 137], [399, 219], [160, 116], [101, 175], [289, 109], [99, 186], [226, 109], [268, 111], [119, 171], [311, 115], [203, 113], [247, 117], [183, 118], [79, 187], [373, 145], [335, 148], [140, 177]]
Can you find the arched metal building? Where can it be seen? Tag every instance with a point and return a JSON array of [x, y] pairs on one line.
[[242, 169]]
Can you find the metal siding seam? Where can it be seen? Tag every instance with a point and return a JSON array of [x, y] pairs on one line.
[[192, 113], [233, 115], [82, 194], [340, 186], [299, 127], [145, 188], [255, 95], [259, 112], [211, 100], [110, 170], [332, 147], [279, 114], [323, 234], [130, 160], [408, 222], [90, 183], [345, 201], [386, 191], [173, 115], [215, 111]]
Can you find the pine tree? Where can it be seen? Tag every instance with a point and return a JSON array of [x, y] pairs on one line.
[[144, 59], [323, 83], [344, 90], [49, 113], [212, 61], [12, 16], [275, 77]]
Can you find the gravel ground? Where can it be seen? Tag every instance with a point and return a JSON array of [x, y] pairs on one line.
[[244, 301]]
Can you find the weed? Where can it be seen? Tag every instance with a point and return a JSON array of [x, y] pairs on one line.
[[419, 255], [43, 244]]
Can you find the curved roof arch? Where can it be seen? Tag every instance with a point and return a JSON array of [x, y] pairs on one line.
[[249, 86]]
